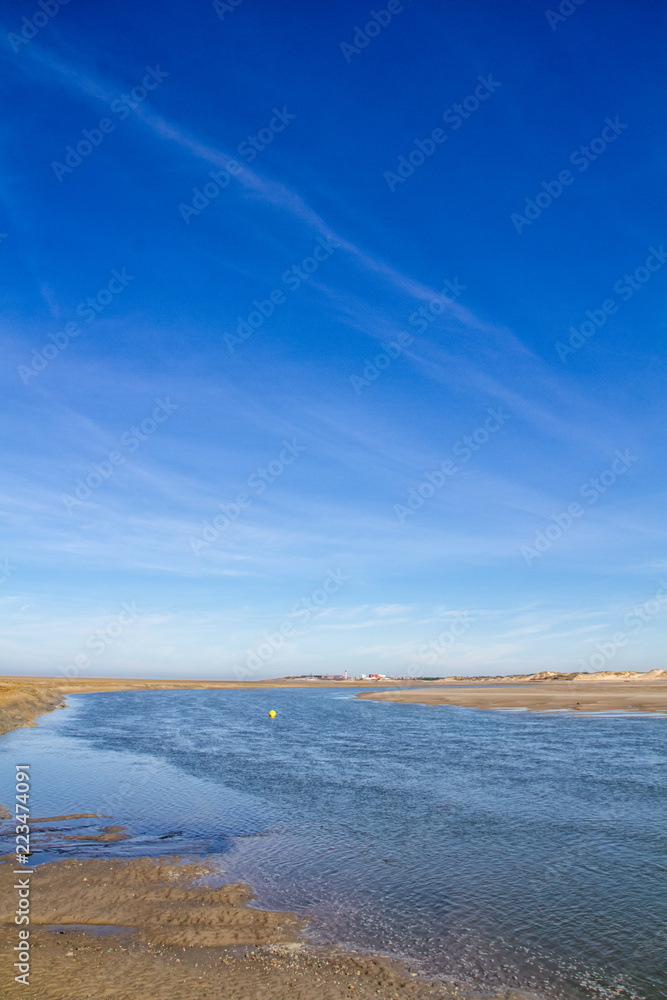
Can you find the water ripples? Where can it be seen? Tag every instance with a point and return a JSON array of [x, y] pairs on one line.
[[512, 849]]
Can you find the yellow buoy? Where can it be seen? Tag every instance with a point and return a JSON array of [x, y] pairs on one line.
[[272, 714]]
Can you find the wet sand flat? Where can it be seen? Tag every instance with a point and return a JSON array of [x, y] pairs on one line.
[[120, 930]]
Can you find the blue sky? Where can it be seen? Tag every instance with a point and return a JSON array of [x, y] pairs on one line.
[[478, 487]]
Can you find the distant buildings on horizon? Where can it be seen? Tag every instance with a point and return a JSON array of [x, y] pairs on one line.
[[359, 677], [340, 677]]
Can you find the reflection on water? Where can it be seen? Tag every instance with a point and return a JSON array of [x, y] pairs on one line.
[[514, 848]]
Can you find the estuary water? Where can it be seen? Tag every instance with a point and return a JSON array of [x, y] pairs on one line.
[[504, 848]]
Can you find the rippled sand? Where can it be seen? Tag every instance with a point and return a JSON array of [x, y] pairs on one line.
[[159, 930]]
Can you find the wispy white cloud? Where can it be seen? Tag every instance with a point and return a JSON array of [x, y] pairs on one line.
[[392, 609], [271, 192]]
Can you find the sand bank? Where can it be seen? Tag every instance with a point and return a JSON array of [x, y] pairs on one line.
[[158, 930], [541, 696], [21, 700]]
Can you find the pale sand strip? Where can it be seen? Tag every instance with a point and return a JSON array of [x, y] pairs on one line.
[[540, 696]]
